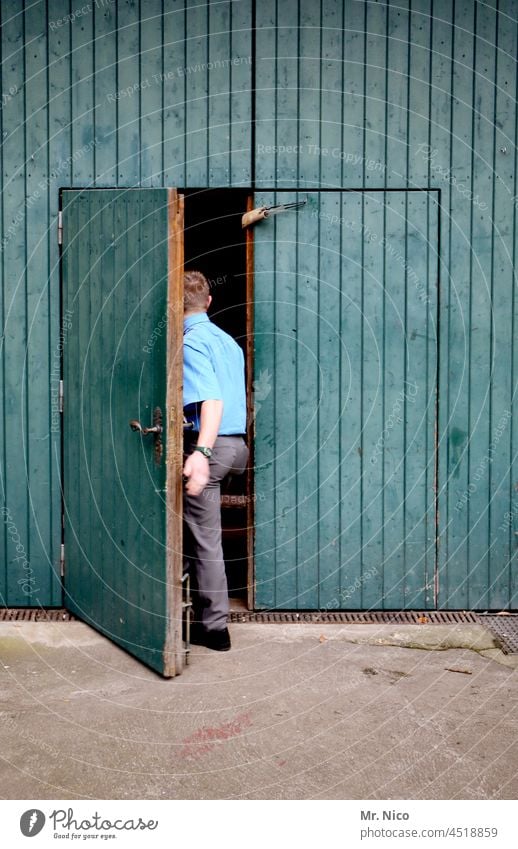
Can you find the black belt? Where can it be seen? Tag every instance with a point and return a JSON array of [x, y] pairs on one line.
[[195, 433]]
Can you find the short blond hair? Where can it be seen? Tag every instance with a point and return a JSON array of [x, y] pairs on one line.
[[195, 291]]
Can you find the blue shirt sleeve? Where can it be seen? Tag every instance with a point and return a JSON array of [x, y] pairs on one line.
[[199, 378]]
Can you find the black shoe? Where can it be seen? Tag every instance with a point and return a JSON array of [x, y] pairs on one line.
[[217, 640]]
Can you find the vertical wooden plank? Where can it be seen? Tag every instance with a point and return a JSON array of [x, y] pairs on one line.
[[501, 542], [421, 91], [311, 136], [454, 581], [373, 410], [105, 93], [285, 391], [82, 98], [375, 92], [121, 451], [174, 94], [265, 88], [482, 232], [106, 340], [264, 408], [196, 94], [128, 93], [309, 375], [95, 365], [420, 398], [37, 362], [332, 360], [151, 120], [332, 84], [399, 75], [3, 503], [284, 135], [14, 299], [76, 282], [218, 92], [59, 174], [392, 450], [240, 101], [354, 102], [432, 159], [353, 289], [71, 473]]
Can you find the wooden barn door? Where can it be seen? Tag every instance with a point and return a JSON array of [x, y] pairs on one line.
[[122, 342], [346, 297]]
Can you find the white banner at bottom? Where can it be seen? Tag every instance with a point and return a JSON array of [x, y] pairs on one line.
[[224, 824]]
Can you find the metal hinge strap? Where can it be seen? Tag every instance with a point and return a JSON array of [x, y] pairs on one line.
[[62, 559], [61, 396], [60, 227]]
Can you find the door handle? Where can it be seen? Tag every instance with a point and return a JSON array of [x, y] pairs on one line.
[[156, 429], [136, 426]]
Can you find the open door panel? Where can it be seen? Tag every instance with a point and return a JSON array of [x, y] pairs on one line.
[[122, 362]]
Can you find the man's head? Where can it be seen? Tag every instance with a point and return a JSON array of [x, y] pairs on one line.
[[196, 292]]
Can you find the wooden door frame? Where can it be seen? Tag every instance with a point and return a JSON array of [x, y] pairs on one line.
[[250, 477], [174, 653]]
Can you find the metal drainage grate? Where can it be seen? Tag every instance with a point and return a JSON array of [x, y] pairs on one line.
[[35, 614], [405, 617], [504, 628]]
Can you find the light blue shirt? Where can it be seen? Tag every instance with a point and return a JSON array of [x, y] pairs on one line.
[[213, 368]]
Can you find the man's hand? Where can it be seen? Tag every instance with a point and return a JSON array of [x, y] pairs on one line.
[[196, 470]]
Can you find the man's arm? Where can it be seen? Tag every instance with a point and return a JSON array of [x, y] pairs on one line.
[[210, 420], [196, 467]]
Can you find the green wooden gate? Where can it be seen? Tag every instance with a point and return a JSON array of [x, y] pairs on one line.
[[346, 307], [122, 332]]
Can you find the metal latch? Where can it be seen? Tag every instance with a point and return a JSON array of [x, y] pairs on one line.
[[262, 212], [156, 429]]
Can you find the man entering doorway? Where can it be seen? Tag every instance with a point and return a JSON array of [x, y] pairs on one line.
[[214, 399]]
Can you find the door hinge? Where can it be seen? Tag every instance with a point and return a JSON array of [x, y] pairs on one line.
[[61, 396], [62, 559], [60, 227]]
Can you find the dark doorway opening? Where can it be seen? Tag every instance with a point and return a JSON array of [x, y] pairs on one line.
[[216, 245]]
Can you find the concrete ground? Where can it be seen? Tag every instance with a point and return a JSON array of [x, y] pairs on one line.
[[292, 712]]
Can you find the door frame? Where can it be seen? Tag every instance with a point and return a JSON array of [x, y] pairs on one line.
[[250, 477], [174, 648]]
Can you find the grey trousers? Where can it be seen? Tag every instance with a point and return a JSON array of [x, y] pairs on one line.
[[203, 551]]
